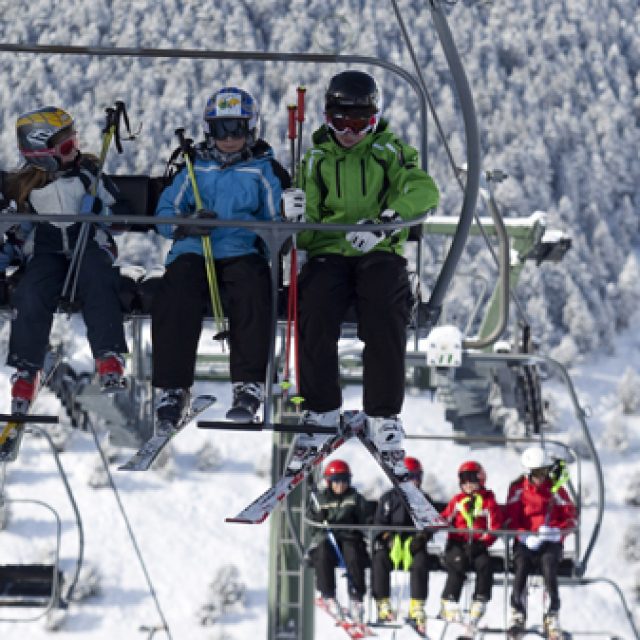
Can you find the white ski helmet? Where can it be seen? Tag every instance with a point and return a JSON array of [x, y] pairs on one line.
[[536, 458]]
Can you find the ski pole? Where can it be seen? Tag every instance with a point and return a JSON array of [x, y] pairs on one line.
[[296, 113], [292, 139], [297, 399], [301, 90], [111, 132], [291, 302], [214, 291]]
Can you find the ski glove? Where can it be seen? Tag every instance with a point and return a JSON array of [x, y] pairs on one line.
[[91, 205], [533, 542], [549, 534], [294, 202], [365, 241], [183, 231]]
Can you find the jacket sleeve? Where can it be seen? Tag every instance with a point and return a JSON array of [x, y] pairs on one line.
[[416, 189], [176, 200]]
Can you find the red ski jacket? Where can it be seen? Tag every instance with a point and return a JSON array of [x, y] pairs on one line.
[[474, 511], [530, 506]]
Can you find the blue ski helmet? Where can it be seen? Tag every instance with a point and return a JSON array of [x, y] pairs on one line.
[[232, 102]]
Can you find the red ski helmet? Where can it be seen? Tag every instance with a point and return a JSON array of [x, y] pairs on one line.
[[472, 471], [414, 467], [337, 470]]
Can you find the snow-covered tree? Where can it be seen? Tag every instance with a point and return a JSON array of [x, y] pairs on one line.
[[629, 391]]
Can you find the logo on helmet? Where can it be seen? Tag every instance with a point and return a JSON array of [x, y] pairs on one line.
[[228, 104]]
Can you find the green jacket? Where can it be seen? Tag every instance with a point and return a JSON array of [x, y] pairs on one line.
[[345, 186]]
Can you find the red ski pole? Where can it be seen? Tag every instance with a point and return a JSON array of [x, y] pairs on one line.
[[292, 138], [301, 91]]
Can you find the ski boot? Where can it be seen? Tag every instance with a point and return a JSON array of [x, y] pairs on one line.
[[110, 369], [247, 397], [173, 405], [306, 445], [551, 625], [356, 610], [387, 435], [384, 611], [477, 610], [23, 390], [516, 628], [417, 617], [449, 611]]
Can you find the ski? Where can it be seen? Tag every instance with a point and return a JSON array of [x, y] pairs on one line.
[[11, 435], [412, 624], [304, 460], [151, 449], [354, 629], [423, 513]]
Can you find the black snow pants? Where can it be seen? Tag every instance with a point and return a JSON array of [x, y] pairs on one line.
[[381, 575], [545, 559], [179, 306], [37, 296], [325, 561], [378, 285], [460, 558]]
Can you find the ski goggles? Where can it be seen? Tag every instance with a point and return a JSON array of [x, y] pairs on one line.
[[64, 148], [540, 472], [340, 477], [340, 122], [221, 128], [469, 476]]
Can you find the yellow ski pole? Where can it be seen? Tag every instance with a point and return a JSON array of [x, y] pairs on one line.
[[214, 292]]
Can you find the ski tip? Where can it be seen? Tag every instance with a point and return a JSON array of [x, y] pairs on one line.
[[239, 520]]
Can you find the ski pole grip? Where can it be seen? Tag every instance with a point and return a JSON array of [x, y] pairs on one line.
[[292, 121], [301, 93], [181, 139]]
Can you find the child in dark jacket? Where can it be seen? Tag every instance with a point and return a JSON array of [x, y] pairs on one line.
[[395, 550], [57, 178], [475, 507], [339, 504]]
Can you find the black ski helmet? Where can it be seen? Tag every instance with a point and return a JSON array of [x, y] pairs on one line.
[[352, 90]]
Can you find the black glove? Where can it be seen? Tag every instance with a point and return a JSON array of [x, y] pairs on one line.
[[184, 231]]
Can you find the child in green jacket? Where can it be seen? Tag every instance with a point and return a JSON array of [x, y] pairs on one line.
[[358, 171]]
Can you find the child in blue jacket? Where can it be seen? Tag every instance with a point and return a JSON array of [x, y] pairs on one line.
[[238, 179]]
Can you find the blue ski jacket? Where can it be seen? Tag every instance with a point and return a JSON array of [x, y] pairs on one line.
[[246, 190]]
